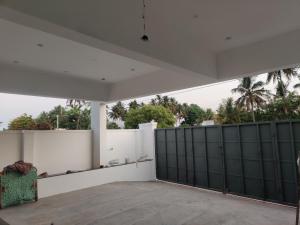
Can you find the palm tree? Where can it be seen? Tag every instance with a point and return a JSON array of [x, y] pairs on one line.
[[276, 76], [181, 111], [282, 87], [157, 100], [134, 105], [298, 84], [118, 111], [282, 90], [253, 94], [227, 113], [165, 101], [76, 103], [283, 93]]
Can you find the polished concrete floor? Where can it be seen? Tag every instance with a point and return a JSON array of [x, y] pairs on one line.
[[151, 203]]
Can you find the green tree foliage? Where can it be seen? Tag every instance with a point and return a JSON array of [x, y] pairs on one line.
[[134, 105], [23, 122], [118, 111], [167, 102], [278, 75], [112, 125], [147, 113], [70, 118], [188, 115], [253, 95], [209, 115], [298, 84], [193, 115], [76, 103], [228, 113], [181, 111], [281, 109], [43, 122]]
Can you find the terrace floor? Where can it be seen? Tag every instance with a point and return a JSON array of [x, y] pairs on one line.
[[151, 203]]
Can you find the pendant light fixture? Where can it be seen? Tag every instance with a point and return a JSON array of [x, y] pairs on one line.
[[145, 37]]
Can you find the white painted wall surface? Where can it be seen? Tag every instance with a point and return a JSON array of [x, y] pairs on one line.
[[59, 151], [143, 171], [121, 144], [10, 146], [50, 151], [147, 138]]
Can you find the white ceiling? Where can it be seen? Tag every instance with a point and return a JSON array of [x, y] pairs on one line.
[[20, 46], [171, 22], [95, 39]]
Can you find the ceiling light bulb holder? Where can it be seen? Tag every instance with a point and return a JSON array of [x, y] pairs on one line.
[[145, 38]]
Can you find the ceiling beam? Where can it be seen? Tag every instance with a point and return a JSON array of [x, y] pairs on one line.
[[276, 53], [28, 81], [156, 83]]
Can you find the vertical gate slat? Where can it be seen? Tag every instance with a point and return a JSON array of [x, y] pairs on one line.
[[223, 160], [294, 158], [242, 158], [206, 157], [277, 166], [258, 137], [156, 154], [193, 151], [166, 147], [185, 155], [176, 149]]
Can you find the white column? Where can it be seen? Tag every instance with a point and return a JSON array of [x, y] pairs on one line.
[[147, 131], [148, 139], [98, 125], [28, 146]]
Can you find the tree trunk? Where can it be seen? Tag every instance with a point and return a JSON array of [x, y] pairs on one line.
[[252, 111], [285, 108], [78, 121]]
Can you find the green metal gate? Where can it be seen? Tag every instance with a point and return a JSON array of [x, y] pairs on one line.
[[256, 160]]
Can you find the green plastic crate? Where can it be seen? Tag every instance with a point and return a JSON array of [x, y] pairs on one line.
[[16, 189]]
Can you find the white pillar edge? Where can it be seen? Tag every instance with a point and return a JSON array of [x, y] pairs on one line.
[[99, 132]]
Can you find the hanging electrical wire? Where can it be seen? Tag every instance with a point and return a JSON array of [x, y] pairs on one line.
[[145, 37]]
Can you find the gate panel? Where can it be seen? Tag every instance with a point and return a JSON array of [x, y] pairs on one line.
[[161, 160], [252, 162], [182, 170], [201, 158], [286, 158], [256, 160], [171, 155], [214, 154], [189, 156], [233, 156]]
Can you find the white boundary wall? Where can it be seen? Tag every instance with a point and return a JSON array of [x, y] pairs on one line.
[[142, 171], [57, 151], [10, 147]]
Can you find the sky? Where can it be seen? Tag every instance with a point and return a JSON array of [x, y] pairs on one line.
[[210, 96]]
